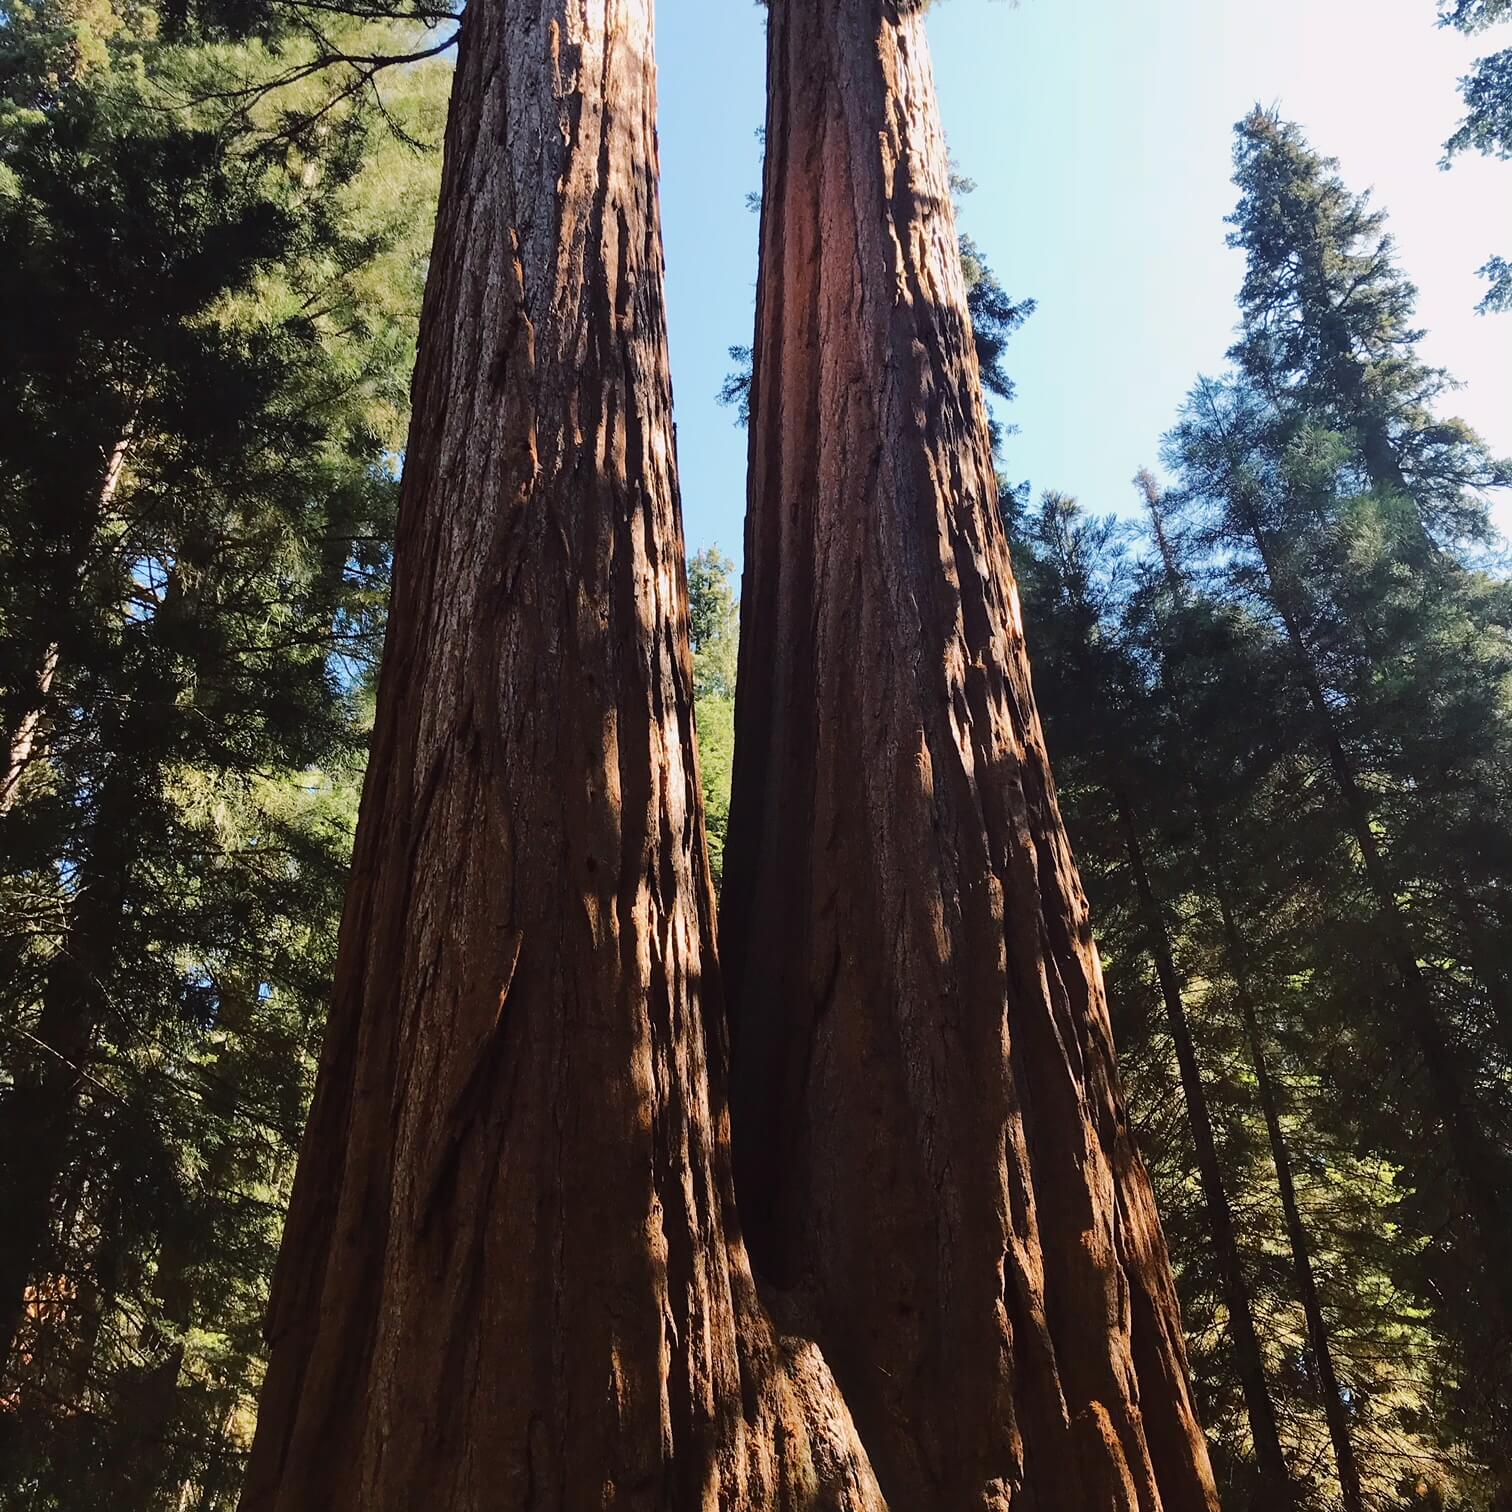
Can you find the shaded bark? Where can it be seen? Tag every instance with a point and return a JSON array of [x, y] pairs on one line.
[[512, 1275], [932, 1153], [1278, 1488]]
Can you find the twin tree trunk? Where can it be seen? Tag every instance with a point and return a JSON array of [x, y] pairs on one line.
[[513, 1276], [931, 1151]]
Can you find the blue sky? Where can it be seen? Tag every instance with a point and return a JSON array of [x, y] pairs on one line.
[[1098, 132]]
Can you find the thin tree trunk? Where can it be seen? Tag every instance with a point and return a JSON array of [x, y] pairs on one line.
[[1237, 956], [512, 1275], [28, 719], [1318, 1334], [932, 1153], [37, 1115], [24, 740], [1277, 1488]]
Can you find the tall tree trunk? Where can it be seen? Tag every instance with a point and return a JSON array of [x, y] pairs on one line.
[[932, 1153], [1237, 957], [1318, 1333], [1277, 1488], [512, 1274]]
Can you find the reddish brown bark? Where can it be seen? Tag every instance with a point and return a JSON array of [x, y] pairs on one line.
[[932, 1153], [512, 1276]]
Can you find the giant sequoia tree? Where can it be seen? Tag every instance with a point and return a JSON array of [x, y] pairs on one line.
[[511, 1274], [931, 1150]]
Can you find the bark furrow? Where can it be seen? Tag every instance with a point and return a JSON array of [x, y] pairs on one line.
[[512, 1277], [932, 1154]]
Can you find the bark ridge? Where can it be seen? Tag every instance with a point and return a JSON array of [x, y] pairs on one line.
[[931, 1150], [512, 1276]]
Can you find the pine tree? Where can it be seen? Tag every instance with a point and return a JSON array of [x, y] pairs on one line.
[[1357, 597], [1327, 328], [1216, 879], [1162, 699], [1328, 342], [208, 357], [1079, 586]]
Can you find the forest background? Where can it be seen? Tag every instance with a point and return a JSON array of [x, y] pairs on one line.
[[1292, 807]]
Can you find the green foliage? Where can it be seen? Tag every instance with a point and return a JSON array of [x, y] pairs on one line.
[[203, 393], [1474, 15], [713, 623], [1487, 126], [714, 626], [1312, 599], [1328, 328]]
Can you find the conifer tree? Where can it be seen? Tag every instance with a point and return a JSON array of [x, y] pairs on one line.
[[1487, 126], [1172, 604], [1189, 711], [1109, 728], [1327, 327], [1357, 597], [208, 355]]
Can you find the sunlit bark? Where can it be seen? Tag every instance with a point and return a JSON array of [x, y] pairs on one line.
[[511, 1276], [932, 1154]]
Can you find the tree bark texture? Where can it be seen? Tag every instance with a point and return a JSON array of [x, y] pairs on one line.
[[512, 1276], [932, 1154]]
